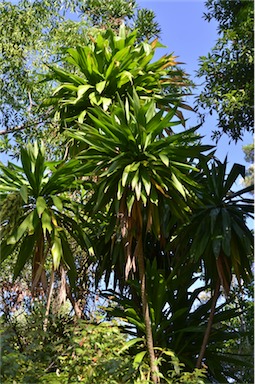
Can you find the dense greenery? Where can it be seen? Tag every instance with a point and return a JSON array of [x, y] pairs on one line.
[[249, 157], [106, 243], [33, 35], [228, 69]]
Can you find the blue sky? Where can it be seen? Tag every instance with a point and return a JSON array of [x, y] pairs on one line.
[[189, 36]]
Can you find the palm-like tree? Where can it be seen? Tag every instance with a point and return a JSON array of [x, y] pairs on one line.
[[138, 169], [46, 221], [109, 65], [218, 233]]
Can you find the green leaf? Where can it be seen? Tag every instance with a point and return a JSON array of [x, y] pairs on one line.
[[27, 161], [138, 358], [46, 222], [164, 159], [6, 250], [81, 116], [216, 245], [40, 205], [56, 250], [178, 185], [154, 195], [236, 170], [106, 101], [26, 224], [68, 258], [26, 252], [130, 343], [125, 175], [120, 190], [130, 202], [138, 189], [226, 228], [93, 98], [57, 202], [101, 86], [213, 215], [83, 89], [24, 193], [135, 180]]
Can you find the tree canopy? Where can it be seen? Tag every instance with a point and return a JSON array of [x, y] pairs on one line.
[[228, 69]]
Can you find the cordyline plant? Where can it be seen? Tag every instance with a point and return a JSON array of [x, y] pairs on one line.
[[217, 234], [40, 192], [137, 168], [111, 65]]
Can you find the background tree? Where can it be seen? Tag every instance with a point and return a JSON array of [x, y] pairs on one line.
[[249, 158], [227, 70], [111, 14]]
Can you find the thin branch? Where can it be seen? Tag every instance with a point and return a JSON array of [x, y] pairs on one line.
[[78, 312], [31, 124], [209, 325]]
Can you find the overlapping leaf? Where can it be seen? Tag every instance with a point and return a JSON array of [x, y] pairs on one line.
[[113, 64]]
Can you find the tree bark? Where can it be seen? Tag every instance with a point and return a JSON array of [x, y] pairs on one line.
[[78, 312], [209, 325], [45, 323], [146, 313]]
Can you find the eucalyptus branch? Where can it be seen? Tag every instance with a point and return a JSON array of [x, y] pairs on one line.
[[21, 127]]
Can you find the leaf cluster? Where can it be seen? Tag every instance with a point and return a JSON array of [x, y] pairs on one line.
[[228, 69]]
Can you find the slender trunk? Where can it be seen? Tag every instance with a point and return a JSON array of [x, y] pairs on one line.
[[209, 325], [78, 312], [45, 323], [38, 272], [146, 313]]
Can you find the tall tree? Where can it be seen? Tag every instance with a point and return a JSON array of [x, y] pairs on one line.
[[110, 108], [137, 170], [228, 69]]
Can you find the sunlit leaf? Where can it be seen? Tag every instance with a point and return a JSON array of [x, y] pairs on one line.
[[41, 205]]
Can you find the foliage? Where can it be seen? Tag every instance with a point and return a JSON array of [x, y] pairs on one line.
[[111, 14], [228, 68], [220, 236], [68, 350], [108, 14], [45, 222], [157, 210], [72, 352], [136, 167], [249, 157], [34, 33], [108, 68], [179, 319], [243, 347], [139, 173]]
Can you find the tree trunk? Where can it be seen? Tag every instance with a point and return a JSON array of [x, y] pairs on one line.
[[209, 325], [78, 312], [45, 323], [146, 313]]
